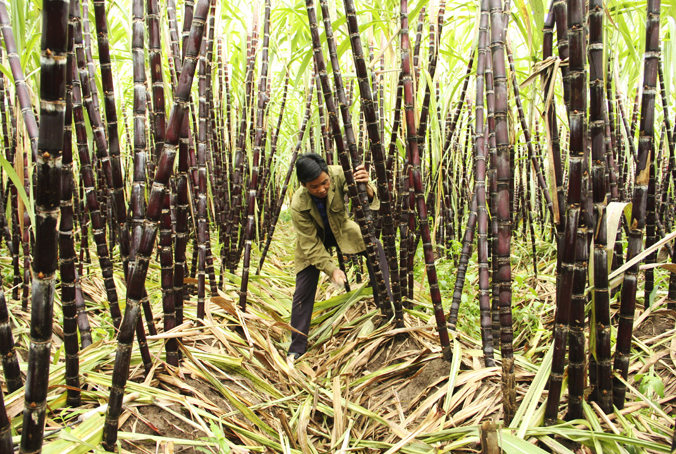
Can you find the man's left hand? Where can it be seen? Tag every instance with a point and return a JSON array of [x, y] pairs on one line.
[[362, 176]]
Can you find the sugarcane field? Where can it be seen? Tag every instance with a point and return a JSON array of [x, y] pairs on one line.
[[267, 226]]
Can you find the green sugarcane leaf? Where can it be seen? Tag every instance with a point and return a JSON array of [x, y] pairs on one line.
[[18, 183], [514, 445]]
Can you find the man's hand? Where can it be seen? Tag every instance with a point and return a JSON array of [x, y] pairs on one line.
[[362, 176], [339, 278]]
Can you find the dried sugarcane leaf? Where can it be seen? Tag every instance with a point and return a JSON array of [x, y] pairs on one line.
[[614, 212]]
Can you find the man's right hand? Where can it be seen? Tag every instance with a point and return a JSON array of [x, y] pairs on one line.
[[339, 278]]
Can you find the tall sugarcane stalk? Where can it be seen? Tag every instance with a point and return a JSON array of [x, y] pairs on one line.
[[371, 117], [373, 246], [159, 134], [671, 138], [155, 63], [255, 167], [202, 181], [139, 269], [140, 160], [601, 314], [639, 200], [493, 190], [67, 257], [567, 246], [480, 193], [503, 215], [415, 174], [47, 200]]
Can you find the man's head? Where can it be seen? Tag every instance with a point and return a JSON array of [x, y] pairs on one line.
[[313, 174]]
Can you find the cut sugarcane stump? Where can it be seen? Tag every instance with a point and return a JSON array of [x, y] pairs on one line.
[[489, 438]]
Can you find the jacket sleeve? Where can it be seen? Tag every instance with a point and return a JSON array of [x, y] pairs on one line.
[[310, 243]]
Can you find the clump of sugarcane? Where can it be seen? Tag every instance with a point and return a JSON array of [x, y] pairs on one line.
[[360, 209], [368, 108], [80, 90], [639, 200], [229, 250], [415, 176], [287, 178], [266, 173], [373, 246], [47, 200], [255, 168], [567, 247], [139, 270], [527, 137], [113, 141]]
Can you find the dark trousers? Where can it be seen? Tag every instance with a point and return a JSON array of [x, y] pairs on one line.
[[304, 301]]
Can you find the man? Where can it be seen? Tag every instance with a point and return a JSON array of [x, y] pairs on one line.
[[320, 219]]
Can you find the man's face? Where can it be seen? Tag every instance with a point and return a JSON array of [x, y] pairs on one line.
[[319, 187]]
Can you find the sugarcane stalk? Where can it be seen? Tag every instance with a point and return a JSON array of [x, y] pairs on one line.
[[465, 253], [371, 117], [368, 229], [416, 177], [480, 193], [155, 63], [671, 139], [567, 246], [493, 190], [67, 257], [47, 200], [202, 182], [139, 270], [639, 200], [503, 215], [603, 386]]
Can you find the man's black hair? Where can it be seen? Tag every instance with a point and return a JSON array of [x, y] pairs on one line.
[[309, 167]]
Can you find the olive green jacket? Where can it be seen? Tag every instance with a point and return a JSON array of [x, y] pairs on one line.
[[309, 227]]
